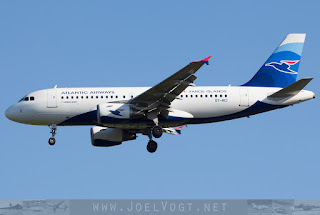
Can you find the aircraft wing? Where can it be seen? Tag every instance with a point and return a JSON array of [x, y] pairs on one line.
[[168, 90]]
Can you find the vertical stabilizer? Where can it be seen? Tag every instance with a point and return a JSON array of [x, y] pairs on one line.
[[281, 69]]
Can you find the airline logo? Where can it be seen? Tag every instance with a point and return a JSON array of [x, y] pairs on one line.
[[284, 66], [116, 112]]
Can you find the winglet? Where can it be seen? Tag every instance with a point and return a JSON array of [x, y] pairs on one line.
[[206, 60], [179, 129]]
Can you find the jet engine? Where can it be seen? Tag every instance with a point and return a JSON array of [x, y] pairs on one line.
[[110, 112], [105, 137]]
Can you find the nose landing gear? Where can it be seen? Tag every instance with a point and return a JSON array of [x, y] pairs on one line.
[[52, 140]]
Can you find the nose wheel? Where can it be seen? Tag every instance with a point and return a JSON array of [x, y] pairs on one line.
[[52, 140]]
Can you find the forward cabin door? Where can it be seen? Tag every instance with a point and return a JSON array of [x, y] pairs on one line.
[[52, 98], [244, 97]]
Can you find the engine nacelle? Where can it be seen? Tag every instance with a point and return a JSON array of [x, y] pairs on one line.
[[105, 137], [109, 111]]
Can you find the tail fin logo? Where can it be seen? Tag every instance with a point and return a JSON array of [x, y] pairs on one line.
[[284, 66]]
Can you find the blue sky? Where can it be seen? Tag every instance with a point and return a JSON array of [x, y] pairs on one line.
[[140, 43]]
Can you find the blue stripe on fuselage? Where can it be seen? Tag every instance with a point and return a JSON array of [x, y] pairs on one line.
[[90, 118], [258, 107]]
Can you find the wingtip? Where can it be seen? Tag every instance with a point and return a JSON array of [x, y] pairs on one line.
[[206, 60], [178, 130]]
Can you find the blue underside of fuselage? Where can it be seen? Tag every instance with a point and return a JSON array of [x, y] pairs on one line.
[[90, 118]]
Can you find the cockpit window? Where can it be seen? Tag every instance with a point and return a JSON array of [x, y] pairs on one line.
[[22, 99], [27, 98]]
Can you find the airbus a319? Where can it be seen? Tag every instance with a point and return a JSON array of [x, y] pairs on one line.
[[118, 114]]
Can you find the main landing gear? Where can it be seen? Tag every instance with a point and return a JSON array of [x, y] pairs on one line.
[[152, 146], [52, 140], [156, 132]]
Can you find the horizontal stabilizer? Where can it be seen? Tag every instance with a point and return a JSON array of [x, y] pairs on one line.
[[292, 89]]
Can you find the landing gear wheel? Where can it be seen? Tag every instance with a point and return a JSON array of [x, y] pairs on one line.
[[152, 146], [52, 141], [157, 131]]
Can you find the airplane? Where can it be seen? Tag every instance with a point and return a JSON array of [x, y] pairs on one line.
[[259, 207], [13, 207], [281, 210], [35, 205], [118, 114], [307, 207], [57, 206]]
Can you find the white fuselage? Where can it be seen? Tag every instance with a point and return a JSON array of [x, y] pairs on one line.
[[78, 106]]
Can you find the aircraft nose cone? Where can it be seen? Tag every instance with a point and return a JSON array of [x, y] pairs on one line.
[[9, 113]]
